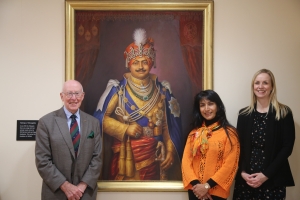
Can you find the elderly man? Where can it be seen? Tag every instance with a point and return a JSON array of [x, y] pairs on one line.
[[68, 149], [141, 118]]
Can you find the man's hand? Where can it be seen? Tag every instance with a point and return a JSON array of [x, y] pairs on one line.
[[82, 186], [168, 162], [71, 191], [134, 131]]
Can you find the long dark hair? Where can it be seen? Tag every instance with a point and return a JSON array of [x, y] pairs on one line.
[[198, 119]]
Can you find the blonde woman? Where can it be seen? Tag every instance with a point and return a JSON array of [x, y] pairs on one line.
[[267, 134]]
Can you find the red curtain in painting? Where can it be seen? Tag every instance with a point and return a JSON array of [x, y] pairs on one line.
[[191, 29], [87, 30]]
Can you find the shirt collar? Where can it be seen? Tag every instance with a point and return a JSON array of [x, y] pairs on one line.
[[68, 113]]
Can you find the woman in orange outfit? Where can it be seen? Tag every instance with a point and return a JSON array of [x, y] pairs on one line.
[[211, 154]]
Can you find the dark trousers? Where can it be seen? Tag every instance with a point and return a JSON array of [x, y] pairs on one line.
[[193, 197]]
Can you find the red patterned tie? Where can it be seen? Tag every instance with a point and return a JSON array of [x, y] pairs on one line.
[[74, 131]]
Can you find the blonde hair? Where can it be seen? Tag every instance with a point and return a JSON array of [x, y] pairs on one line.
[[280, 109]]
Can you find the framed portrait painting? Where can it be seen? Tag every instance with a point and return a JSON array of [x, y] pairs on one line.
[[141, 64]]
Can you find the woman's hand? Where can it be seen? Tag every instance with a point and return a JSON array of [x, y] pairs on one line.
[[256, 180], [246, 177], [205, 197], [201, 192]]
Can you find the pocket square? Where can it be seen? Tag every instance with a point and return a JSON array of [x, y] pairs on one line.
[[91, 135]]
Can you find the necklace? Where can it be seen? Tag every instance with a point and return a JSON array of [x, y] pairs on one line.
[[140, 87], [140, 91], [144, 97], [264, 113], [137, 112]]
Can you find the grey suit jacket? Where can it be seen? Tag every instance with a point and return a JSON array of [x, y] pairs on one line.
[[55, 156]]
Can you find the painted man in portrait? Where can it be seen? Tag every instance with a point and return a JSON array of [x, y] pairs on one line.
[[141, 118]]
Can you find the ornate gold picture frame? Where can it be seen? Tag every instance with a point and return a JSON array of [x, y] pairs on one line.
[[83, 55]]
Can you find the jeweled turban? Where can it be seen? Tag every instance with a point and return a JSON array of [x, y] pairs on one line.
[[141, 47]]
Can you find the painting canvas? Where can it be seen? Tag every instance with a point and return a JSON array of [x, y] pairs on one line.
[[97, 35]]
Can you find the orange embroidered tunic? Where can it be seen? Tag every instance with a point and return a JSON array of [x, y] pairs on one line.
[[219, 163]]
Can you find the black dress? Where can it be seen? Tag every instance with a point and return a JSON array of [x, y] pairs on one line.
[[243, 191]]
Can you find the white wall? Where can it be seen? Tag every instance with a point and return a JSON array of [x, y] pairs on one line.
[[248, 36]]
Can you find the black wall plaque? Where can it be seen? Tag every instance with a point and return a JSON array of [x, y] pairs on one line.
[[26, 129]]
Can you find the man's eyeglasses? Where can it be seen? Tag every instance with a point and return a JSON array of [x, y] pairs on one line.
[[69, 95]]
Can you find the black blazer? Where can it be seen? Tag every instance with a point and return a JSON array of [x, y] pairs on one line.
[[280, 138]]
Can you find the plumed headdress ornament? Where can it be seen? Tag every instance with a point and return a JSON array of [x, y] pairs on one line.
[[141, 47]]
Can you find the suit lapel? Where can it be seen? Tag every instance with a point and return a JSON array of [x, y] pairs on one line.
[[62, 123], [83, 130]]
